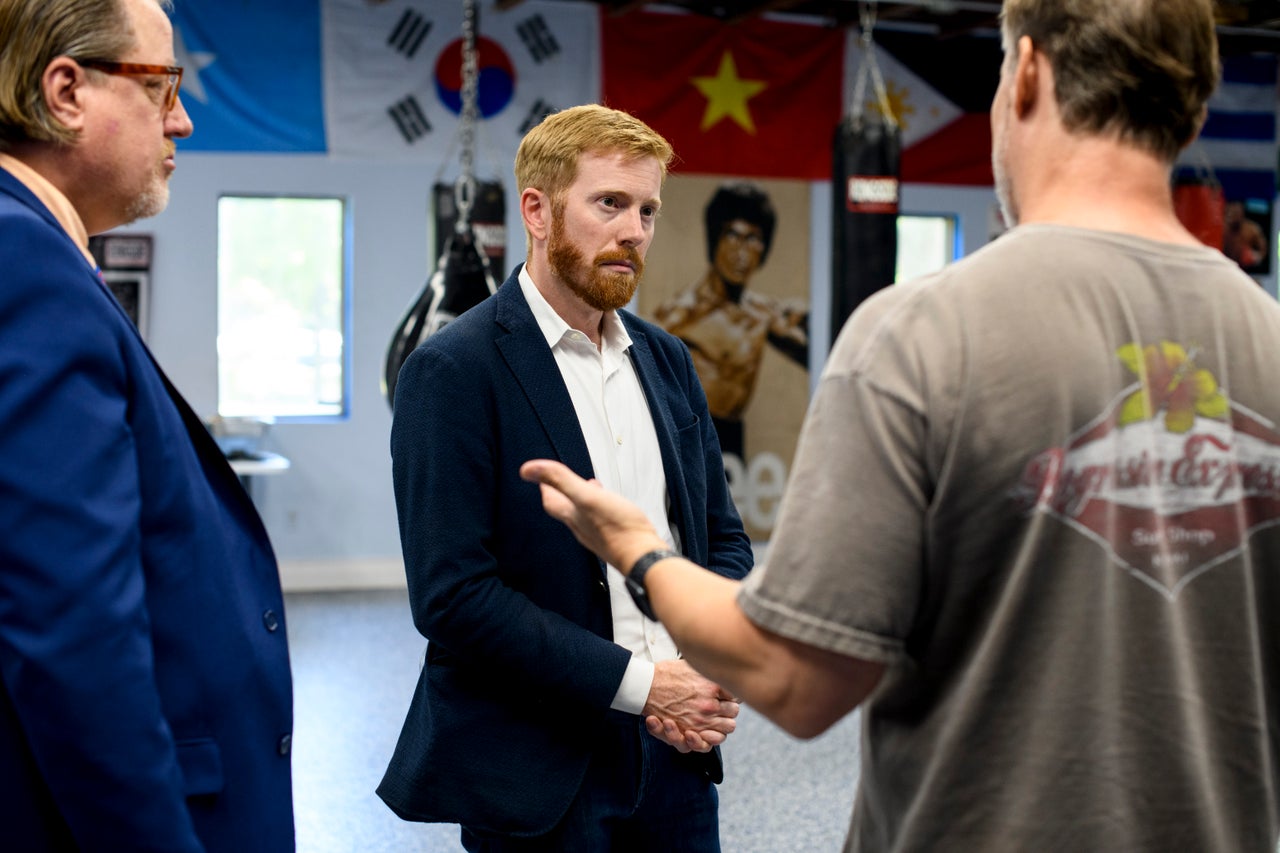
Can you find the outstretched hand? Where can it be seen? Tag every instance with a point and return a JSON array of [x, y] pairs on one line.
[[607, 524], [684, 709]]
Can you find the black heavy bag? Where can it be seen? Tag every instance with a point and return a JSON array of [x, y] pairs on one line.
[[864, 223], [461, 281]]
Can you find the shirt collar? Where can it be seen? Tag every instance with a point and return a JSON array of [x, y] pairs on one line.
[[613, 334], [52, 198]]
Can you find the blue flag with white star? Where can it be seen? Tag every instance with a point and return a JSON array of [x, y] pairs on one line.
[[253, 78]]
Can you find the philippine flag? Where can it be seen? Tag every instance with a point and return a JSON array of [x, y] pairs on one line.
[[393, 75], [941, 101]]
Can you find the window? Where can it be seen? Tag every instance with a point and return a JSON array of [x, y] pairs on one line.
[[282, 318], [925, 244]]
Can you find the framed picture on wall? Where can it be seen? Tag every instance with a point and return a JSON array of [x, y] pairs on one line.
[[130, 289]]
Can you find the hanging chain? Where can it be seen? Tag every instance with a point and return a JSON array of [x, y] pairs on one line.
[[464, 191], [871, 68]]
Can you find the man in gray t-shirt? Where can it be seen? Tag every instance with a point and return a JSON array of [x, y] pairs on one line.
[[1032, 524]]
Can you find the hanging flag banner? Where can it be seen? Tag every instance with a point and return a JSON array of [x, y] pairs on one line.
[[944, 114], [393, 74], [252, 79], [1235, 155], [1238, 140], [756, 98]]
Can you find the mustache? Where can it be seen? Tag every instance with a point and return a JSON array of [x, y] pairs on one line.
[[626, 254]]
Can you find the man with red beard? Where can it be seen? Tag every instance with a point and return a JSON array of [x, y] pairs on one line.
[[553, 712]]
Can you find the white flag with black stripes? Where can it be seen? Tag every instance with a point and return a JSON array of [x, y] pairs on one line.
[[393, 75]]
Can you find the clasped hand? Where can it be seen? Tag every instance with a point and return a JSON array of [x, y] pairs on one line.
[[687, 710]]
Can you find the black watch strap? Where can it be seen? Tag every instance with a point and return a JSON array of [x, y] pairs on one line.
[[635, 579]]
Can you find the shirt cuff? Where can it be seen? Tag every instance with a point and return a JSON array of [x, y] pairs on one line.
[[633, 692]]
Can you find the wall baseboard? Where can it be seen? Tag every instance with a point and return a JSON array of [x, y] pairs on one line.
[[330, 575]]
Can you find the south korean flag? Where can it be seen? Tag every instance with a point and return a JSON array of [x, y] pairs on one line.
[[393, 75]]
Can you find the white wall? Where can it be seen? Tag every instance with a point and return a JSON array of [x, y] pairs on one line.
[[332, 515]]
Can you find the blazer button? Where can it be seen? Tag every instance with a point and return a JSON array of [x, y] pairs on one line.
[[286, 742], [270, 620]]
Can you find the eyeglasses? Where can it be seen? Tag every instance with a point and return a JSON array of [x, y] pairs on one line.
[[172, 72]]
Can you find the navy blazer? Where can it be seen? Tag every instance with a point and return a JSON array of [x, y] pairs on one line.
[[520, 665], [146, 697]]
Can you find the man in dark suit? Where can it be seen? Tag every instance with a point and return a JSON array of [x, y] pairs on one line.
[[145, 699], [551, 713]]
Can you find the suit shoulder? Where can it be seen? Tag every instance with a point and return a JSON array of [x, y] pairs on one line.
[[30, 235], [471, 329], [42, 265]]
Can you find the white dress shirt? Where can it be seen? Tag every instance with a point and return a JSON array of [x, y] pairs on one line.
[[625, 456]]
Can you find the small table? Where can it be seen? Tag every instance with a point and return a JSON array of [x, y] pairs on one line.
[[256, 465]]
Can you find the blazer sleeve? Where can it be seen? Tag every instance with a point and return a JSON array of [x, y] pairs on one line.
[[496, 585], [75, 643]]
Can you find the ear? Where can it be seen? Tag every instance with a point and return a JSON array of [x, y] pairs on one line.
[[63, 84], [1026, 77], [535, 210]]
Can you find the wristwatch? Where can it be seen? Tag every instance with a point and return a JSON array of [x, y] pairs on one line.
[[635, 579]]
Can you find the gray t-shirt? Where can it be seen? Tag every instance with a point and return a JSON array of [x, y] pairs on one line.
[[1043, 485]]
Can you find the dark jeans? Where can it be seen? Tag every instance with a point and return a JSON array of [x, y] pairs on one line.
[[639, 796]]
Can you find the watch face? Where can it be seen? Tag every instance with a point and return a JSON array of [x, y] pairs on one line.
[[640, 597]]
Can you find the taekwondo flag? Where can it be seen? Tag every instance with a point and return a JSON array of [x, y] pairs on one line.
[[756, 98], [393, 74], [251, 78], [1238, 141], [946, 125]]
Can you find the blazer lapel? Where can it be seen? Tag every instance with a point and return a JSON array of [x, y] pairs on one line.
[[529, 358], [650, 382], [213, 460]]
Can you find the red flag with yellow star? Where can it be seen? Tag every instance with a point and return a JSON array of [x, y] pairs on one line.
[[754, 98]]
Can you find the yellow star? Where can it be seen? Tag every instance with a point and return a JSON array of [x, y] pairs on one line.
[[727, 95]]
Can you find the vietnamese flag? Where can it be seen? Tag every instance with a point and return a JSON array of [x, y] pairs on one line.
[[755, 98]]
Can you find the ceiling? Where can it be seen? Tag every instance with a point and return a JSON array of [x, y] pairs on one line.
[[1244, 26]]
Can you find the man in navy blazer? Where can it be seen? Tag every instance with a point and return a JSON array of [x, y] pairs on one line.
[[551, 714], [145, 696]]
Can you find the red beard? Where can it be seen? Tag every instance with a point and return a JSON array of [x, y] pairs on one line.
[[601, 289]]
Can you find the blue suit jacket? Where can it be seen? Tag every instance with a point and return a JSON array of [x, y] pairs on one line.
[[520, 665], [145, 673]]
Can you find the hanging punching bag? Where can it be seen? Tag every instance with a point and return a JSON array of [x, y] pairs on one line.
[[461, 280], [864, 192]]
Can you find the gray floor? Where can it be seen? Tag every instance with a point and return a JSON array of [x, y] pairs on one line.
[[355, 660]]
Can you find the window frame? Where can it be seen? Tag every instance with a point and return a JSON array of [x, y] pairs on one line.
[[344, 312]]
